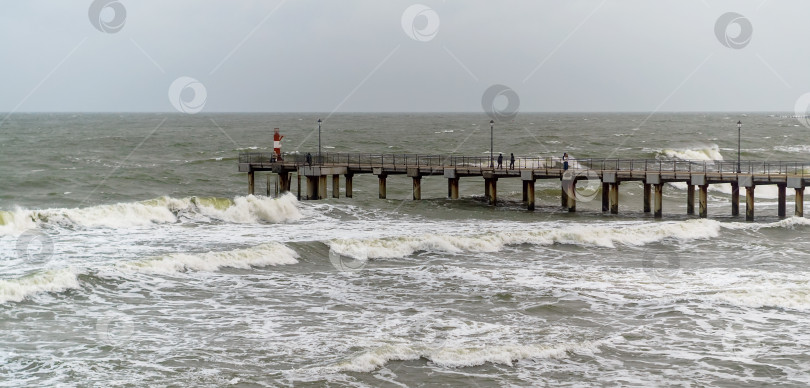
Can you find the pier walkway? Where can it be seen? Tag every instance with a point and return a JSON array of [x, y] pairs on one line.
[[584, 179]]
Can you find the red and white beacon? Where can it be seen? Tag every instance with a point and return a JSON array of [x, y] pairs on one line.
[[277, 144]]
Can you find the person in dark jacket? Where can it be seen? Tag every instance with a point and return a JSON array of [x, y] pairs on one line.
[[511, 161], [500, 160]]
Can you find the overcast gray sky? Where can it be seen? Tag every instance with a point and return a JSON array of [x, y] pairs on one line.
[[360, 55]]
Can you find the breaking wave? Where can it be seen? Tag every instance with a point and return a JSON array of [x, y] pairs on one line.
[[249, 209], [258, 256], [16, 290], [711, 152], [606, 236]]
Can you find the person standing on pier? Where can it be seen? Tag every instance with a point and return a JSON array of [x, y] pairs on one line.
[[565, 161], [512, 161], [309, 159], [500, 161]]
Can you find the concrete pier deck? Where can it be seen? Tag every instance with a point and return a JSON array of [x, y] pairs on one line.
[[605, 175]]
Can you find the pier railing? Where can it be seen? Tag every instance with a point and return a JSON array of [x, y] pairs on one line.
[[359, 160]]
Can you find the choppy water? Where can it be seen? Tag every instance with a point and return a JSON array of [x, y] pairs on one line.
[[132, 257]]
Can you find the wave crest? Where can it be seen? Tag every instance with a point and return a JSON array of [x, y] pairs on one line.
[[606, 236], [258, 256], [249, 209]]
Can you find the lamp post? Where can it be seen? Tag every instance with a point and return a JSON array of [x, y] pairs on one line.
[[319, 140], [491, 142], [739, 131]]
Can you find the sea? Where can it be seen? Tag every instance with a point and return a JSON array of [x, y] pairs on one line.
[[133, 256]]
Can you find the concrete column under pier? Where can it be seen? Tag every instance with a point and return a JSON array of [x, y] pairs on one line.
[[312, 187], [659, 199], [614, 198], [704, 196], [492, 190], [782, 207], [270, 186], [690, 199], [417, 187], [452, 188], [572, 196], [749, 203], [605, 197], [563, 196], [298, 177], [799, 212], [735, 199], [529, 185], [250, 182], [382, 185], [322, 187], [525, 191], [348, 178], [646, 197], [335, 186]]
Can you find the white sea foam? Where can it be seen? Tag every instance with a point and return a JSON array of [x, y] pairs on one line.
[[463, 356], [16, 290], [710, 152], [249, 209], [762, 191], [258, 256], [577, 234]]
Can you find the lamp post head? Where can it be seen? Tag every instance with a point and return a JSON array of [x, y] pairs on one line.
[[739, 124], [319, 121]]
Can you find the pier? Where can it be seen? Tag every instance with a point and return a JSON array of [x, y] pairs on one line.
[[603, 176]]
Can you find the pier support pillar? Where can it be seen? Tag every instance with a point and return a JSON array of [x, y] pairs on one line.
[[646, 198], [417, 187], [382, 185], [349, 185], [735, 199], [704, 196], [492, 190], [250, 182], [799, 203], [335, 186], [529, 186], [605, 197], [270, 185], [312, 187], [749, 203], [284, 182], [563, 196], [690, 199], [659, 199], [298, 176], [572, 196], [322, 187], [525, 191], [614, 198], [781, 206], [452, 188]]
